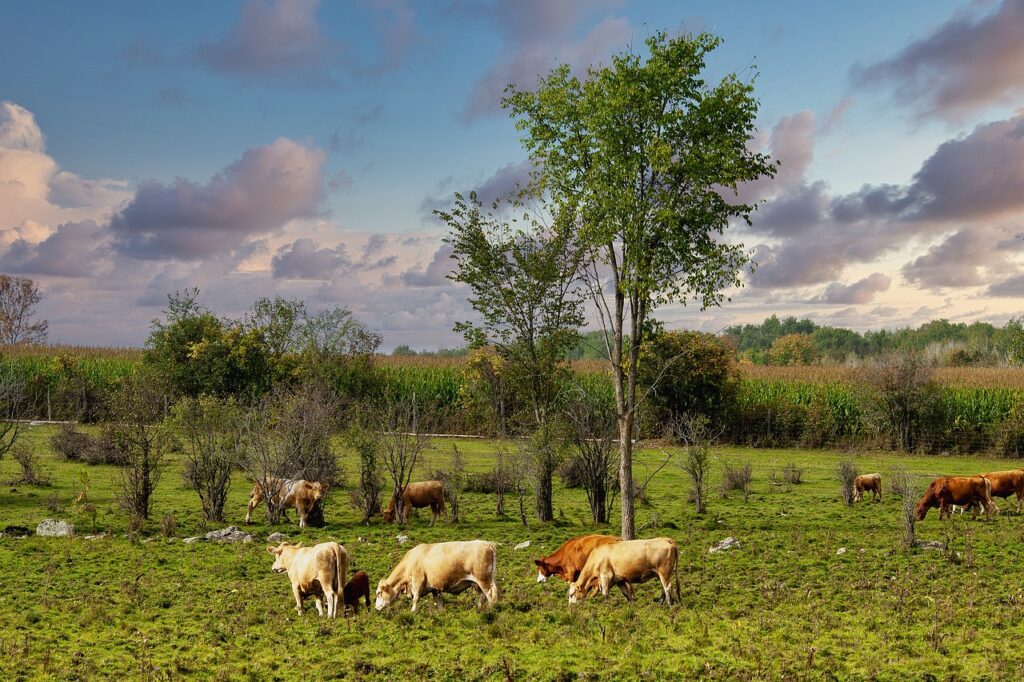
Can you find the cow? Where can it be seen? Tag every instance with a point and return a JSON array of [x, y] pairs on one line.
[[358, 586], [626, 563], [947, 491], [318, 571], [567, 561], [872, 482], [451, 567], [286, 492], [419, 495], [1006, 483]]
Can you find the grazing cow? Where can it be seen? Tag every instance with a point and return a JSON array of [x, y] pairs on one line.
[[317, 571], [625, 563], [1006, 483], [872, 482], [947, 491], [567, 561], [358, 586], [298, 493], [451, 567], [419, 495]]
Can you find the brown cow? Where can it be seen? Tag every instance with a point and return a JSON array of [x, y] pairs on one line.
[[317, 571], [358, 586], [298, 493], [419, 495], [451, 567], [1006, 483], [872, 482], [947, 491], [568, 560], [626, 563]]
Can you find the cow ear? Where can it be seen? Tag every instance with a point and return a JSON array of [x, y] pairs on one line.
[[539, 562], [272, 550]]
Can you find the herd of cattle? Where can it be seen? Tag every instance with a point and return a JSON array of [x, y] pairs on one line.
[[588, 563]]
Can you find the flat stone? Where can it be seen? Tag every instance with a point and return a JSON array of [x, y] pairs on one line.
[[17, 531], [522, 545], [277, 537], [841, 551], [930, 544], [229, 534], [189, 541], [402, 539], [726, 544], [55, 528]]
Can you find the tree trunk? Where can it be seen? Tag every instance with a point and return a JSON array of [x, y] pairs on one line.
[[628, 531]]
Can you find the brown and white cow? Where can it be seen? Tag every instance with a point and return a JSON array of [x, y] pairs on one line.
[[297, 493], [419, 495], [967, 491], [866, 482], [1006, 483], [451, 567], [318, 571], [568, 560], [358, 586], [624, 564]]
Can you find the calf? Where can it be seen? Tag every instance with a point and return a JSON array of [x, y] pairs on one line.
[[947, 491], [419, 495], [626, 563], [358, 586], [317, 571], [567, 561], [451, 567], [285, 492], [872, 482]]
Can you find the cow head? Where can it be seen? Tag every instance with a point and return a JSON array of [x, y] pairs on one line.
[[577, 593], [543, 570], [318, 490], [385, 594], [921, 509], [389, 512], [281, 562]]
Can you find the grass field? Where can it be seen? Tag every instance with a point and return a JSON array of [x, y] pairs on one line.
[[784, 605]]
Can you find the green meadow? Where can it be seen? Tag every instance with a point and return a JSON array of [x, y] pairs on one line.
[[785, 605]]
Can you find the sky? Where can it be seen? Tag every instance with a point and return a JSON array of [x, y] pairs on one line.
[[298, 147]]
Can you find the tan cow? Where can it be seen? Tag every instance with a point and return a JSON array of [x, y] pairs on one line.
[[872, 482], [568, 560], [297, 493], [626, 563], [947, 491], [451, 567], [419, 495], [318, 571], [1006, 483]]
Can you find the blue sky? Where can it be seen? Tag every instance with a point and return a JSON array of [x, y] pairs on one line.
[[158, 133]]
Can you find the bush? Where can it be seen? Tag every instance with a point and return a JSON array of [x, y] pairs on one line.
[[1010, 436], [691, 374], [846, 472], [792, 349], [31, 473], [71, 444], [737, 478], [571, 472], [488, 482]]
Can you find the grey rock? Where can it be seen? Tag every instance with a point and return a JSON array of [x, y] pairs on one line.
[[930, 544], [55, 528], [229, 534], [841, 551], [402, 539], [17, 531], [277, 537], [189, 541], [522, 545], [726, 544]]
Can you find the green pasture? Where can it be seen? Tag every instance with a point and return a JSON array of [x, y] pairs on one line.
[[784, 605]]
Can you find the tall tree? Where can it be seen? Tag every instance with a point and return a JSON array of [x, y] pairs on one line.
[[18, 299], [523, 280], [640, 163]]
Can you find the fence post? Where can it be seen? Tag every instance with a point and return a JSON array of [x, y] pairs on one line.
[[49, 414]]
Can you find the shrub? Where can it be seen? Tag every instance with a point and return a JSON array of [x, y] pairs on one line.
[[167, 525], [903, 397], [1010, 436], [31, 474], [570, 472], [688, 373], [211, 427], [366, 496], [846, 472], [792, 349], [792, 474], [737, 478], [71, 444]]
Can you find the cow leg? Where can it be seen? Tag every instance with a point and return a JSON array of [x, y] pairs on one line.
[[320, 606], [253, 502], [298, 598], [406, 508], [433, 514], [301, 509], [666, 588]]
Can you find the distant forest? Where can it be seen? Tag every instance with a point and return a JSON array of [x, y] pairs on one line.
[[801, 341]]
